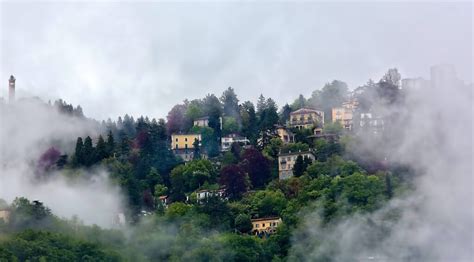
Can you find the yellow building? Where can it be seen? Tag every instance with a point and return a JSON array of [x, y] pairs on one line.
[[5, 215], [285, 135], [183, 145], [184, 141], [286, 162], [306, 118], [266, 225], [344, 114]]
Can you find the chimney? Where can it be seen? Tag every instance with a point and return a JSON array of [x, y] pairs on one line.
[[11, 89]]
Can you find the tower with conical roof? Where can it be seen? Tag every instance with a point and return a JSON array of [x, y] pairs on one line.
[[11, 89]]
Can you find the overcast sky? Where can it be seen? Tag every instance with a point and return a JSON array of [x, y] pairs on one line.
[[141, 59]]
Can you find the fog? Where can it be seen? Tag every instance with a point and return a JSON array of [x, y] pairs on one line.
[[143, 58], [435, 221], [28, 128], [118, 58]]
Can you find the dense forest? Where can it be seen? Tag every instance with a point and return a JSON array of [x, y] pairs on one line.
[[345, 179]]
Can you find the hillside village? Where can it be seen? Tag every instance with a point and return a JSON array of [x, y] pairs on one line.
[[244, 170]]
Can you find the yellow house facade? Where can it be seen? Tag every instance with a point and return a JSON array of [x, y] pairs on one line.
[[306, 118], [344, 114], [285, 135], [265, 225], [184, 141]]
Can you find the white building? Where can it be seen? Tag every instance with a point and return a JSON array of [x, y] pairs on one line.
[[226, 141]]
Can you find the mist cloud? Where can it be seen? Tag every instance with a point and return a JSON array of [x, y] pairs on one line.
[[435, 221], [28, 129], [142, 58]]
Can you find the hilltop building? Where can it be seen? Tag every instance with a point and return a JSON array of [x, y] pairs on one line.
[[285, 134], [286, 162], [344, 114], [11, 89], [164, 200], [206, 193], [415, 83], [306, 118], [183, 145], [372, 123], [5, 215], [204, 121], [444, 76], [226, 141], [265, 226]]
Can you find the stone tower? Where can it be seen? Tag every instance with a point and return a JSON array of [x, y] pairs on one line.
[[11, 89]]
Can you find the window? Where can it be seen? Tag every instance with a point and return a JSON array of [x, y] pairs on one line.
[[256, 225], [185, 139], [176, 139], [263, 224]]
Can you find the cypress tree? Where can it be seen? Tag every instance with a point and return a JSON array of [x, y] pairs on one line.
[[100, 150], [78, 158], [110, 144], [88, 151], [298, 168]]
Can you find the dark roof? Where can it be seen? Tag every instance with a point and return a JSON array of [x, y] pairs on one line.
[[265, 218], [202, 118], [185, 134], [305, 111], [296, 153]]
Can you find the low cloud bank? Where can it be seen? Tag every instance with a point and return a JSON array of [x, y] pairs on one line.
[[432, 223], [29, 128]]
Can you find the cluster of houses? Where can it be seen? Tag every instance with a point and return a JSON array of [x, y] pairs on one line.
[[183, 145], [303, 118], [350, 119]]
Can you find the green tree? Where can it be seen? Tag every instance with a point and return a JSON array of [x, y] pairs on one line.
[[177, 210], [230, 103], [88, 152], [197, 149], [300, 102], [229, 126], [242, 223], [110, 147], [285, 114], [299, 167], [249, 121], [331, 95], [160, 190], [265, 203], [100, 150], [189, 177], [78, 158]]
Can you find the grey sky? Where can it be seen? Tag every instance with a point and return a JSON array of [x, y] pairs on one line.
[[142, 58]]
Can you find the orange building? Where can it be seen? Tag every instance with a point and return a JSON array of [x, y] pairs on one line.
[[266, 225]]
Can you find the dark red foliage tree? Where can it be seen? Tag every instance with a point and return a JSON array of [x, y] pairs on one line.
[[257, 166], [176, 119], [234, 180], [48, 159]]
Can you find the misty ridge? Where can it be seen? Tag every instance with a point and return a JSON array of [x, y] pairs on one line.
[[395, 186]]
